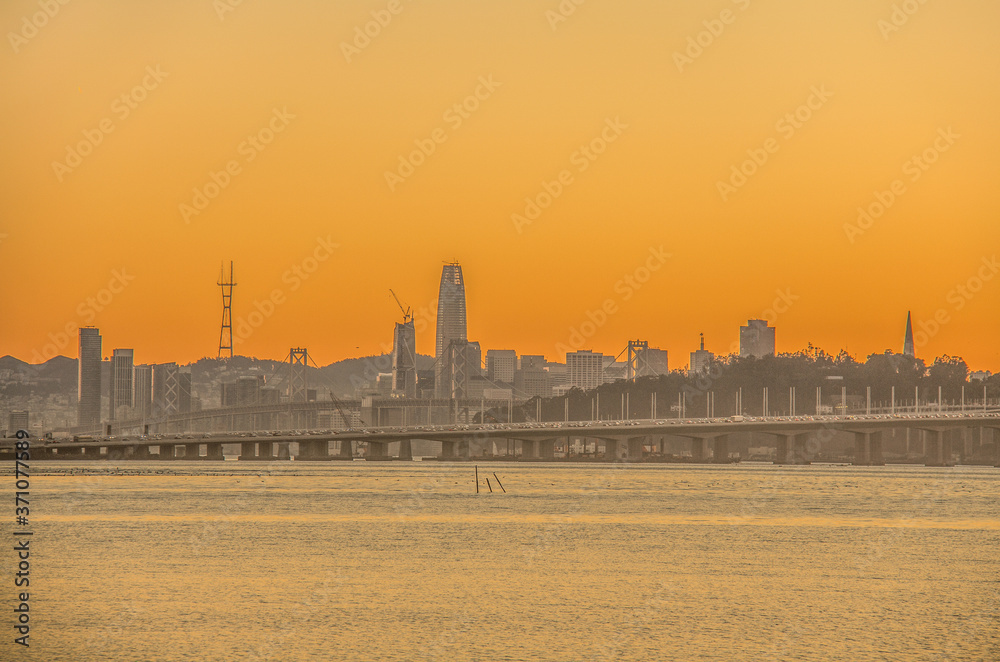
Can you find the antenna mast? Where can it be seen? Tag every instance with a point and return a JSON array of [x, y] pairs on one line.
[[226, 334]]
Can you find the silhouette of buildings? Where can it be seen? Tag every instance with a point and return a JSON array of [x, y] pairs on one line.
[[404, 360], [17, 420], [701, 359], [501, 364], [585, 368], [451, 323], [142, 390], [121, 381], [757, 339], [88, 382]]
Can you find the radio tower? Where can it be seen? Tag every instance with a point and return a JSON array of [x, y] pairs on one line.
[[226, 334]]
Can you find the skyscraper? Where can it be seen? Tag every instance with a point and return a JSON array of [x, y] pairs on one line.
[[586, 369], [452, 367], [121, 380], [908, 348], [142, 390], [404, 360], [451, 309], [501, 365], [88, 381], [757, 339]]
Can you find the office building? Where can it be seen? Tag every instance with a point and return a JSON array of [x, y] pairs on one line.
[[757, 339], [17, 420], [532, 378], [451, 324], [121, 381], [501, 365], [88, 381], [142, 390], [701, 359], [585, 369], [404, 360]]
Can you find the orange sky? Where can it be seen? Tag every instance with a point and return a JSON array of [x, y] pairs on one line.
[[218, 77]]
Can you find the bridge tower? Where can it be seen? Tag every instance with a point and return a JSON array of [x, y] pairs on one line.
[[226, 333], [637, 359], [298, 357]]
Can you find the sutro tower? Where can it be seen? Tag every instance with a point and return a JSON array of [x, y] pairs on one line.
[[226, 334]]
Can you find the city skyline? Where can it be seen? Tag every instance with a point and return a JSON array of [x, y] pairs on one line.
[[845, 191], [757, 338]]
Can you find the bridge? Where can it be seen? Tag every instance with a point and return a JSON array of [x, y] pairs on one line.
[[797, 440]]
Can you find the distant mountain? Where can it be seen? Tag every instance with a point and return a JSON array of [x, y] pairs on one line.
[[8, 362], [59, 368]]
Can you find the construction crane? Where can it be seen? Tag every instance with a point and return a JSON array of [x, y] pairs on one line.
[[407, 312]]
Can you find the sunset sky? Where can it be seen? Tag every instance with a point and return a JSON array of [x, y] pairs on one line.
[[119, 116]]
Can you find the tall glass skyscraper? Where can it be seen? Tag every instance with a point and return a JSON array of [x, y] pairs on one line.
[[451, 309], [88, 382], [121, 380]]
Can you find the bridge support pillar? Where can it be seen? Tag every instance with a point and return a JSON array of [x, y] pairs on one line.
[[166, 452], [937, 452], [313, 450], [781, 450], [635, 450], [547, 449], [611, 450], [346, 451], [699, 450], [877, 459], [305, 450], [116, 453], [214, 452], [283, 450], [321, 450], [528, 450], [720, 452], [140, 452], [405, 450], [862, 449], [265, 450], [377, 450], [192, 451], [447, 450], [248, 450]]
